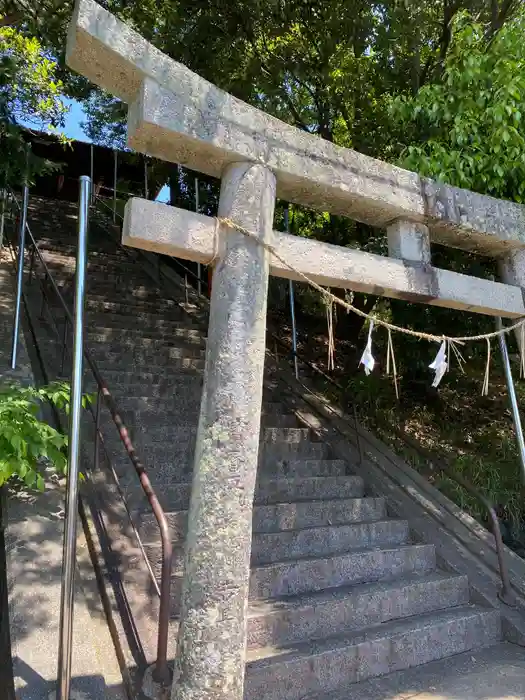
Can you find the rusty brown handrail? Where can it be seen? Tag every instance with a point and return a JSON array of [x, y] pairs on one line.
[[162, 673], [439, 464]]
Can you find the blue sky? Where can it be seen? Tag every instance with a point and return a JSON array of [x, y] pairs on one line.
[[73, 130]]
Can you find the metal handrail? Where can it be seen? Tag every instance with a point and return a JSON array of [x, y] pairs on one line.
[[162, 674], [440, 464]]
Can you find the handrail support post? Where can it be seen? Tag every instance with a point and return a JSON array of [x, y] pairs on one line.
[[19, 275], [70, 524]]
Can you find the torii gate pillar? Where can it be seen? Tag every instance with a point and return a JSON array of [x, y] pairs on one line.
[[212, 637]]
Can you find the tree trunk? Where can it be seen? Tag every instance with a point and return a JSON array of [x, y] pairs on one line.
[[7, 685]]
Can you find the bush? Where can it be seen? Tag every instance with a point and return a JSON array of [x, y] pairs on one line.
[[30, 447]]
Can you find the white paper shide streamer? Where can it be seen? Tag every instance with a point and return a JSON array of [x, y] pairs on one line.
[[367, 359], [440, 364]]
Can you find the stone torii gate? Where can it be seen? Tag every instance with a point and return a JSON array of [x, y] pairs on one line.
[[177, 116]]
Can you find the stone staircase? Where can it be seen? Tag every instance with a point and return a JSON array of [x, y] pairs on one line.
[[339, 593]]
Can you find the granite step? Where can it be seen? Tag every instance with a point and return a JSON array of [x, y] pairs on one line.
[[358, 566], [153, 303], [179, 468], [132, 380], [128, 287], [144, 321], [327, 540], [155, 436], [280, 621], [494, 672], [278, 673], [278, 517], [135, 312], [163, 388], [174, 497], [107, 334], [108, 280], [131, 361], [146, 350], [313, 542]]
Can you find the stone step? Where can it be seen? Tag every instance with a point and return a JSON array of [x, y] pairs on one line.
[[314, 542], [158, 444], [132, 287], [277, 517], [180, 467], [169, 445], [104, 251], [107, 334], [185, 384], [147, 351], [129, 361], [268, 492], [331, 539], [158, 381], [164, 388], [154, 303], [280, 454], [170, 406], [136, 312], [328, 664], [338, 610], [302, 514], [125, 277], [145, 322], [127, 287], [359, 566]]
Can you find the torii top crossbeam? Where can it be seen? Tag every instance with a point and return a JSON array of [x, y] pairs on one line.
[[178, 116]]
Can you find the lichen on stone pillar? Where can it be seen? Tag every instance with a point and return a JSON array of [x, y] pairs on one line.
[[212, 633]]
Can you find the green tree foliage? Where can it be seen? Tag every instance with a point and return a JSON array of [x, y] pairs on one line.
[[30, 94], [28, 445], [467, 128]]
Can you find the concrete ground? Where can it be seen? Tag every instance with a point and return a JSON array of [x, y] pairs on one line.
[[495, 673], [34, 542], [35, 571]]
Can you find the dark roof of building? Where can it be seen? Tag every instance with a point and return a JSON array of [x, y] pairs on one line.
[[75, 159]]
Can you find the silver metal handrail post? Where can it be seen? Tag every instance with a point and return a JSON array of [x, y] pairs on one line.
[[199, 268], [92, 169], [3, 206], [292, 301], [70, 524], [115, 172], [20, 274], [512, 397]]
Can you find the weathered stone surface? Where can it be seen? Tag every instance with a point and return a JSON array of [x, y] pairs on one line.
[[408, 240], [212, 633], [157, 227], [338, 610], [178, 116], [327, 540], [308, 575], [328, 664]]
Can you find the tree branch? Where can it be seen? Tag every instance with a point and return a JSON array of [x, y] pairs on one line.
[[507, 9]]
